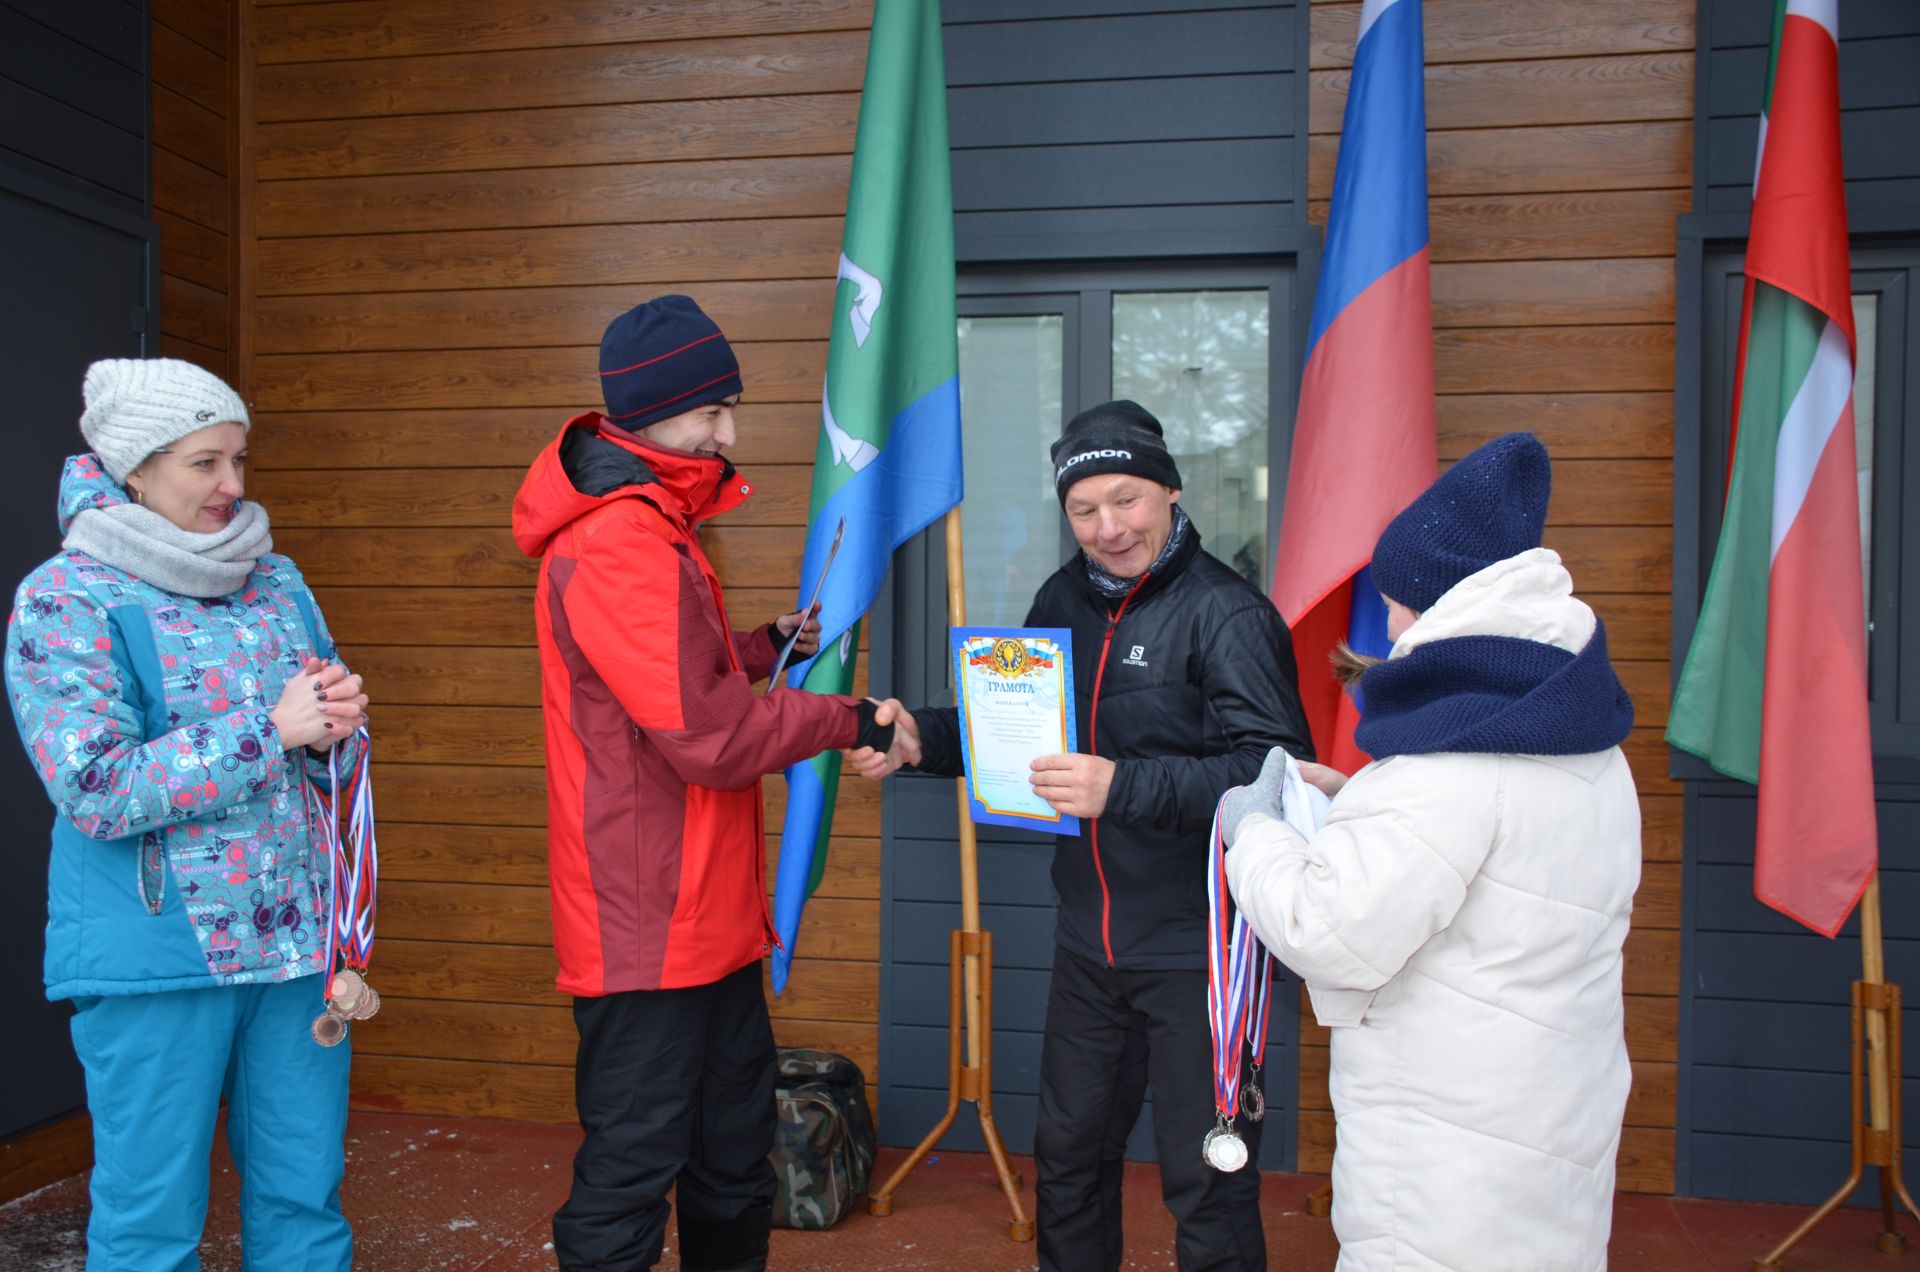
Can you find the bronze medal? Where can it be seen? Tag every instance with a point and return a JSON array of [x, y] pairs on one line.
[[369, 1004], [1253, 1101], [345, 991], [329, 1028]]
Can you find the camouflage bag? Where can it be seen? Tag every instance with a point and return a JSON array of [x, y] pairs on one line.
[[823, 1141]]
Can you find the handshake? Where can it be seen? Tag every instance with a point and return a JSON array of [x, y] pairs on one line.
[[905, 750], [1076, 785]]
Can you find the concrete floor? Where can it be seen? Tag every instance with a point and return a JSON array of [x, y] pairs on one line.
[[445, 1195]]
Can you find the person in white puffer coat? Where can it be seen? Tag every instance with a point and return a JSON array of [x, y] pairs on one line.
[[1459, 918]]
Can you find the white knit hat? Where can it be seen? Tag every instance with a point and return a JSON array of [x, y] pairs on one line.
[[137, 405]]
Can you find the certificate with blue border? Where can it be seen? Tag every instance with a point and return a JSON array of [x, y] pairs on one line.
[[1015, 690]]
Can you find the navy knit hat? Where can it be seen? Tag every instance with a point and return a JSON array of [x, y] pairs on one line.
[[1488, 507], [664, 358], [1114, 437]]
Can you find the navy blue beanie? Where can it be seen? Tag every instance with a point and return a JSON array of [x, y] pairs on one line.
[[664, 358], [1488, 507]]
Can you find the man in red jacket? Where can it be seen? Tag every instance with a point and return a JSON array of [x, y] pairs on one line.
[[655, 749]]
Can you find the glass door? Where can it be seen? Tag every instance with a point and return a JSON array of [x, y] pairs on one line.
[[1201, 362], [1014, 358]]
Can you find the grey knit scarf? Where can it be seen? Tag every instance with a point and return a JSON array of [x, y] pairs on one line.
[[146, 545], [1113, 585]]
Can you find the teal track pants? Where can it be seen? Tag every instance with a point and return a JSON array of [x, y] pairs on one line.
[[157, 1067]]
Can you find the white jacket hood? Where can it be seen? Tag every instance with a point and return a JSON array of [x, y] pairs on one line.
[[1529, 596]]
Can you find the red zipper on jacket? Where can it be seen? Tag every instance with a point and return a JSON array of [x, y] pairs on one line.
[[1093, 748]]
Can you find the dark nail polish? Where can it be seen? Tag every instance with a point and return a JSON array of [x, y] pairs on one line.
[[321, 696]]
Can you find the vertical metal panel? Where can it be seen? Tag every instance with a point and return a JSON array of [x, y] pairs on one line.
[[75, 97], [81, 285], [1090, 130], [1879, 100]]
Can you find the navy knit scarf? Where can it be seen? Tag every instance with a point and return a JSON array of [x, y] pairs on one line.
[[1494, 694]]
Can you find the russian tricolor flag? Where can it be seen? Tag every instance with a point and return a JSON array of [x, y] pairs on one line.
[[1363, 441]]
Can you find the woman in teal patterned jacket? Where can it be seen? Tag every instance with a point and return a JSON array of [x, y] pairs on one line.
[[176, 688]]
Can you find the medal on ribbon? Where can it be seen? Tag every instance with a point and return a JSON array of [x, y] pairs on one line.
[[1253, 1099], [329, 1030], [1240, 982], [353, 876], [1230, 1000]]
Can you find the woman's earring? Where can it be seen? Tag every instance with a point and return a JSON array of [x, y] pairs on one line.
[[137, 496]]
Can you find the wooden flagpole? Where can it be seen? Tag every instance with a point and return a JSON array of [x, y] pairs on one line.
[[969, 982], [1874, 1112]]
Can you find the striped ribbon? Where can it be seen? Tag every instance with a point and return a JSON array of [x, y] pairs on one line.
[[353, 860], [1262, 990], [1232, 952]]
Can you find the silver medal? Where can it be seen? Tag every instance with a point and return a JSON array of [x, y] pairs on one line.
[[1224, 1150]]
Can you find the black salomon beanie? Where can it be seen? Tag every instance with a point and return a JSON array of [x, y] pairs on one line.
[[1114, 437]]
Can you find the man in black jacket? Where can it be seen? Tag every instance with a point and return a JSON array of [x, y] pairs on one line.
[[1184, 679]]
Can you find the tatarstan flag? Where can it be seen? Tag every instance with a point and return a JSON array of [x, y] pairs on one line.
[[888, 460], [1774, 689]]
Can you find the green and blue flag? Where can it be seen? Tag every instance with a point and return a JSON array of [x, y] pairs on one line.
[[888, 461]]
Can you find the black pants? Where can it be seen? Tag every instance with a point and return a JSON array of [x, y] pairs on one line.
[[675, 1086], [1110, 1034]]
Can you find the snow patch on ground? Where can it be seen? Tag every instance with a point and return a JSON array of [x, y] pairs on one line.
[[45, 1240]]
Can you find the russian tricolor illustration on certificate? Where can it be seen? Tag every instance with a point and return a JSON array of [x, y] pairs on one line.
[[1014, 686]]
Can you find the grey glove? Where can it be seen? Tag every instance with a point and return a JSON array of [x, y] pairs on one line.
[[1262, 796]]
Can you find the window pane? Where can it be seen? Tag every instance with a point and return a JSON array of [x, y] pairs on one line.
[[1866, 313], [1198, 360], [1010, 386]]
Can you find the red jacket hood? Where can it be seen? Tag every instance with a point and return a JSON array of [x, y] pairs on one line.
[[588, 466]]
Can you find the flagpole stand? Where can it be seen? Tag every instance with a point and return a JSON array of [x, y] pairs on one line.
[[1874, 1106], [965, 1082], [969, 985]]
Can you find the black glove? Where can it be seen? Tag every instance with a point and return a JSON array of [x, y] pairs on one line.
[[877, 736]]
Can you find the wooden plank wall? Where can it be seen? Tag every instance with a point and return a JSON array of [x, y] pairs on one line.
[[450, 202], [193, 199], [1559, 152]]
